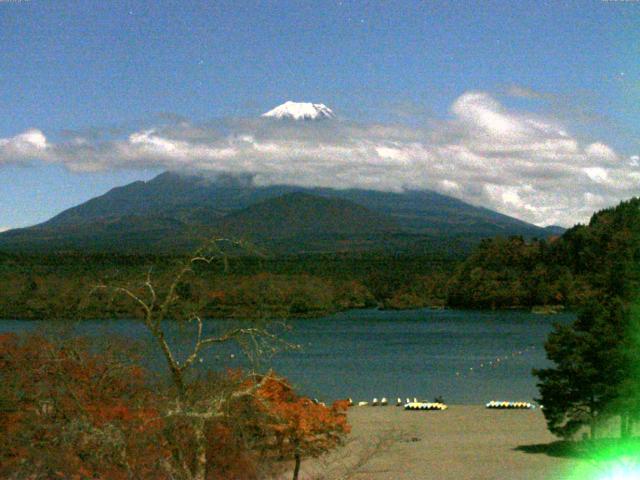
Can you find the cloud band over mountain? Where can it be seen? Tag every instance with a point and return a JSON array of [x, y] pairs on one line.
[[517, 163]]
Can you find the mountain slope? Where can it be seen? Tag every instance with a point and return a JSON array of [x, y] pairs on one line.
[[167, 194], [175, 211], [430, 213], [301, 214]]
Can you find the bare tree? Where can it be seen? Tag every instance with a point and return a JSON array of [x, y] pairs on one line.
[[157, 310]]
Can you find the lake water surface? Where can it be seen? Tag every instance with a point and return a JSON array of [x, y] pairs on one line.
[[465, 356]]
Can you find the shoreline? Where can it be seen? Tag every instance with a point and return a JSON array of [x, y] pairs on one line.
[[464, 442], [315, 315]]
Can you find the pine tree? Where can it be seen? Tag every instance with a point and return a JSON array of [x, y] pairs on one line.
[[597, 358], [589, 369]]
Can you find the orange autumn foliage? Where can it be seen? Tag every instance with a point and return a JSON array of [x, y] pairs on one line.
[[267, 429], [69, 413], [299, 425]]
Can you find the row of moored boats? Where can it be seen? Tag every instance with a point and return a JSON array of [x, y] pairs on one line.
[[510, 405], [416, 404]]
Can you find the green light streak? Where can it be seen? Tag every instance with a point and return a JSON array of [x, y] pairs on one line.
[[614, 460]]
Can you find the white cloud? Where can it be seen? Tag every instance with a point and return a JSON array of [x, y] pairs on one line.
[[597, 174], [27, 145], [517, 163], [601, 153]]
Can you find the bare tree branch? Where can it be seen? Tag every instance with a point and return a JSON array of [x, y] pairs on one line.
[[256, 341]]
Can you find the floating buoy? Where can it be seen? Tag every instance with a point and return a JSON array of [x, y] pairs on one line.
[[374, 403], [384, 402]]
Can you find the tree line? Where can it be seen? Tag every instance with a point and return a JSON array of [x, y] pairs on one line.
[[58, 286]]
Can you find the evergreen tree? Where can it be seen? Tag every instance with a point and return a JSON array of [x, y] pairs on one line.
[[597, 371], [589, 369]]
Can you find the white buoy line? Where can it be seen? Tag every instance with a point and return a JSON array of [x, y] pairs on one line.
[[494, 362]]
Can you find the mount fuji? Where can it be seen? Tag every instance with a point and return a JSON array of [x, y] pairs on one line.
[[300, 111], [176, 213]]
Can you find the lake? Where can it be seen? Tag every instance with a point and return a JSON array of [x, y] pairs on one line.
[[467, 357]]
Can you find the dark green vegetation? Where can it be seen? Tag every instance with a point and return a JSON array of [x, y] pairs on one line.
[[60, 285], [587, 262], [596, 374], [174, 213], [563, 271], [510, 272]]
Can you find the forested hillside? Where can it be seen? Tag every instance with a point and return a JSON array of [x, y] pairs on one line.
[[587, 260]]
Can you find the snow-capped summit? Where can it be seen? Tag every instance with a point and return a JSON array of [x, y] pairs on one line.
[[300, 111]]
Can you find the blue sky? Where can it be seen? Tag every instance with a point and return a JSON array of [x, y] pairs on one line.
[[102, 70]]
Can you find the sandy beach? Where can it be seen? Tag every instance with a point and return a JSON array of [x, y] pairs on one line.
[[463, 442]]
